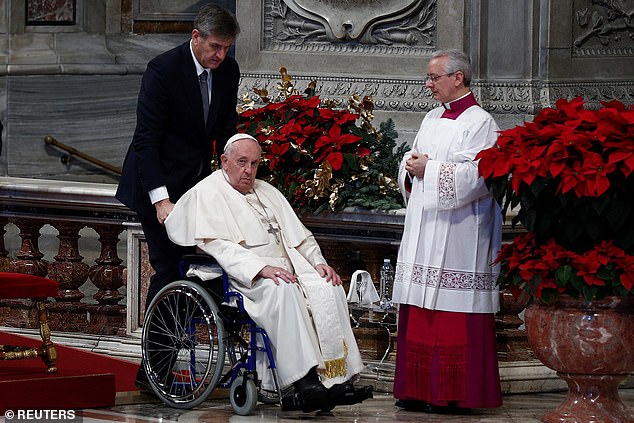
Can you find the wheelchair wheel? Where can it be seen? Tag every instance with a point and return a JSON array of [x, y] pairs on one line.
[[237, 350], [183, 344], [243, 395]]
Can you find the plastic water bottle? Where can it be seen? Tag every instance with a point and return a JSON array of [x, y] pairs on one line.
[[387, 282]]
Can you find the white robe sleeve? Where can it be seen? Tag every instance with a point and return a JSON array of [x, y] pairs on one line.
[[453, 184], [241, 264], [404, 179], [310, 250]]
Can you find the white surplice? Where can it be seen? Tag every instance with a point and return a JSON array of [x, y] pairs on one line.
[[443, 263], [308, 322]]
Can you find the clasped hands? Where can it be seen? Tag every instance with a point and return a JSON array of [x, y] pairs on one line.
[[416, 163], [277, 274]]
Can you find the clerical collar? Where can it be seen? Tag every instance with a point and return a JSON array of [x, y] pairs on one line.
[[455, 108]]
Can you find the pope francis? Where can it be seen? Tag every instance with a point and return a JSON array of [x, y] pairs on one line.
[[275, 263]]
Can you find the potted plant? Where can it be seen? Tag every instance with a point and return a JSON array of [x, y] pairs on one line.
[[323, 155], [568, 174]]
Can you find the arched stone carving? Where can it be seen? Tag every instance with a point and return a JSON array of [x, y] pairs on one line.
[[352, 26]]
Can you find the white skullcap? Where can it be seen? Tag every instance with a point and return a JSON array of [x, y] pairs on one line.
[[238, 137]]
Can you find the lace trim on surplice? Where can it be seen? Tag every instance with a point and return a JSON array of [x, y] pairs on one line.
[[447, 185], [448, 279]]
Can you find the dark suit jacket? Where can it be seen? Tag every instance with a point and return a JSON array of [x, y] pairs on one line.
[[171, 145]]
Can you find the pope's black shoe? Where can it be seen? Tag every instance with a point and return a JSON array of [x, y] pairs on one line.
[[346, 394], [311, 391]]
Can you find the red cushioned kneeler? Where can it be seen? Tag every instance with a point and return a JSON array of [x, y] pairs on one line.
[[38, 289]]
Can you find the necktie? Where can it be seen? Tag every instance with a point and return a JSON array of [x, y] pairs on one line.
[[204, 93]]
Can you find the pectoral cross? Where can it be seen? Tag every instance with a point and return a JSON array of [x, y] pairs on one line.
[[274, 231]]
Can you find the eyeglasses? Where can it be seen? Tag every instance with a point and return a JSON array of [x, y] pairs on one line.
[[435, 78]]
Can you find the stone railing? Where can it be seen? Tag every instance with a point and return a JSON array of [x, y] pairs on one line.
[[90, 298]]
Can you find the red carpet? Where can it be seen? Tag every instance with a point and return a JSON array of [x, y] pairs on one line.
[[83, 379]]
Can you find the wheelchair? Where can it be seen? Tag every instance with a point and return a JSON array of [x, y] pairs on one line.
[[191, 335]]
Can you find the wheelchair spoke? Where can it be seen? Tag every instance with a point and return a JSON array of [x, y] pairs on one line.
[[183, 344]]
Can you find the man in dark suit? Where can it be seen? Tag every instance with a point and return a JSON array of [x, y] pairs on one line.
[[173, 147], [175, 140]]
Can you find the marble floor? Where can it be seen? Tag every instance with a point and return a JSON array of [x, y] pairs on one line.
[[136, 407]]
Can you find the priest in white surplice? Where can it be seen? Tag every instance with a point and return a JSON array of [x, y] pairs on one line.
[[444, 282], [274, 261]]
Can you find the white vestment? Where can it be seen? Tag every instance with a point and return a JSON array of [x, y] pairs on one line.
[[234, 229], [453, 225]]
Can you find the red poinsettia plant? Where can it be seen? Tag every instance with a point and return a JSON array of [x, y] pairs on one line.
[[323, 155], [569, 175], [547, 270]]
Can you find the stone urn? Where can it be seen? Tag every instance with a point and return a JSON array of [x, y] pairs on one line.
[[591, 346]]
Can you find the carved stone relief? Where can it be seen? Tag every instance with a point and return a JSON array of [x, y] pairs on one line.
[[351, 26], [603, 28]]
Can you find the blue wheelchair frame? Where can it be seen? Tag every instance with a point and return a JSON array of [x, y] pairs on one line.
[[235, 317]]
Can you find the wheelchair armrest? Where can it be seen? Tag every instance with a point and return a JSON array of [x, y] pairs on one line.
[[198, 258], [189, 259]]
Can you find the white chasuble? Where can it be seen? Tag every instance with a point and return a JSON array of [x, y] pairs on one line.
[[221, 222], [453, 225]]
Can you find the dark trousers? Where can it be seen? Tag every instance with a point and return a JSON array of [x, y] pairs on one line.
[[165, 257]]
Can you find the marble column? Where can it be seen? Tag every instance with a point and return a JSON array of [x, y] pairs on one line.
[[20, 312], [68, 313], [108, 317]]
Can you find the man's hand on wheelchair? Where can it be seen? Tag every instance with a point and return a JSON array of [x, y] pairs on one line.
[[163, 209], [277, 274], [329, 273]]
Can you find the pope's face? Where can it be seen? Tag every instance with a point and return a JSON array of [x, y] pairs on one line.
[[443, 87], [241, 164], [210, 51]]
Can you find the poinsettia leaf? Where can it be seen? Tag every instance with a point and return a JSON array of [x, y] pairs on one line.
[[498, 188], [335, 159], [577, 282], [563, 275], [600, 204], [588, 292], [548, 297], [350, 162]]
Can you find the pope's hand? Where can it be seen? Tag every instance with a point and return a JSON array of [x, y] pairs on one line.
[[276, 274], [329, 273], [163, 209]]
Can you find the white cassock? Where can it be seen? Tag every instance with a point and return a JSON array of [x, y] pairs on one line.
[[443, 263], [308, 322]]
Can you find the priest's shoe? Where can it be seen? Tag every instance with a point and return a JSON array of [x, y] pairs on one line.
[[421, 406]]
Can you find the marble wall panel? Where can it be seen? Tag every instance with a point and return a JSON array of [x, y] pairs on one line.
[[95, 114], [182, 10]]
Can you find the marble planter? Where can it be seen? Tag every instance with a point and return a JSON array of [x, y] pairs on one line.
[[591, 346]]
